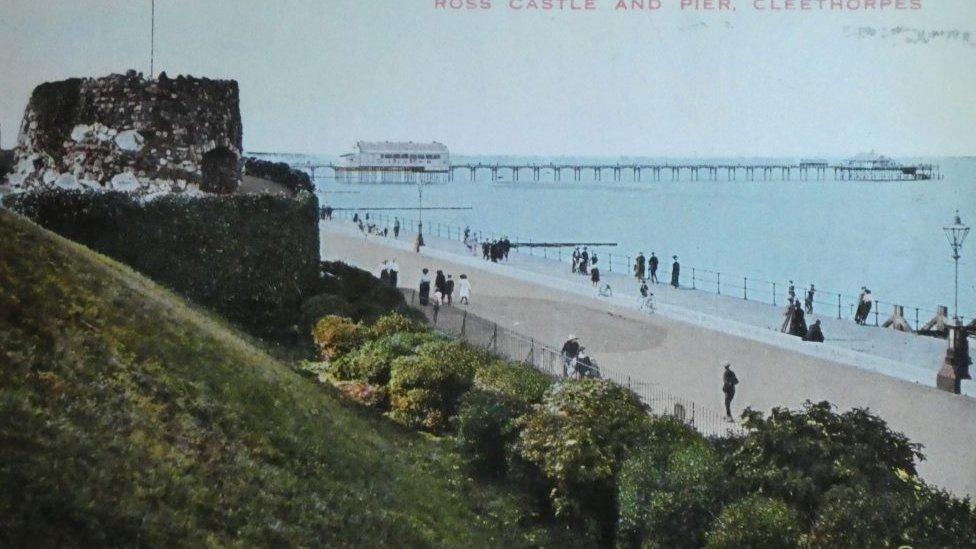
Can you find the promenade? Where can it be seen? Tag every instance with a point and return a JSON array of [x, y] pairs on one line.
[[682, 347]]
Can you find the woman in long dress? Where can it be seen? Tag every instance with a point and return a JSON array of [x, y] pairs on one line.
[[424, 293], [464, 289], [675, 272]]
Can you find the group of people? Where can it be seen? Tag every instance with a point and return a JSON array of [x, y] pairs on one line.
[[645, 269], [390, 272], [576, 363], [795, 322], [584, 263], [443, 289], [494, 250]]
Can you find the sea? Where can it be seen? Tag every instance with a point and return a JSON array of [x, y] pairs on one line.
[[838, 235]]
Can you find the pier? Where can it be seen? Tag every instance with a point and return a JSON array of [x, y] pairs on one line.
[[637, 172]]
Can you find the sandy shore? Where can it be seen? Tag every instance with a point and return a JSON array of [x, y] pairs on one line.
[[685, 358]]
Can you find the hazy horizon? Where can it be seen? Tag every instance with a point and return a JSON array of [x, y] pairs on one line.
[[320, 76]]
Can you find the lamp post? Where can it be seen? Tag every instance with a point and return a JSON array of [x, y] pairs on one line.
[[956, 235]]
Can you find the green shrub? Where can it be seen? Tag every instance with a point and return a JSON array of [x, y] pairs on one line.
[[755, 522], [336, 336], [251, 258], [519, 384], [798, 456], [372, 361], [486, 430], [667, 487], [578, 437], [361, 295], [395, 322], [294, 180], [426, 389]]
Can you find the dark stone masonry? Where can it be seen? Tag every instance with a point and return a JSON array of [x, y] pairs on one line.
[[128, 133]]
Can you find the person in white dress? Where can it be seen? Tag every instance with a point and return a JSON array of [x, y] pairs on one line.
[[464, 289]]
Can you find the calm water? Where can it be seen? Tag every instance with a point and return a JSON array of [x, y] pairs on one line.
[[839, 235]]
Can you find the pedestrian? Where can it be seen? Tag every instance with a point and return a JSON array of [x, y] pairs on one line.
[[808, 300], [729, 381], [584, 264], [424, 293], [328, 212], [355, 217], [595, 275], [863, 306], [576, 259], [799, 325], [652, 265], [791, 292], [464, 289], [585, 367], [485, 249], [506, 246], [644, 290], [394, 272], [639, 267], [570, 351], [449, 290], [385, 272], [467, 232], [439, 282], [675, 271], [396, 227], [815, 334]]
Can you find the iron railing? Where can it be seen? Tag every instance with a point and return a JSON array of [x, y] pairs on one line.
[[500, 341], [826, 302]]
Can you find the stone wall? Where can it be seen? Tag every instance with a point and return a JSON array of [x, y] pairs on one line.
[[127, 133]]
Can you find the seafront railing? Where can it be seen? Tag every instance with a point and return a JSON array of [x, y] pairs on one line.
[[500, 341], [839, 305]]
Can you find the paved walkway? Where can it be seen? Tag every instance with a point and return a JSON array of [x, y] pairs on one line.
[[683, 350]]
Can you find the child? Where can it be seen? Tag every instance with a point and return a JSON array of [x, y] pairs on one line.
[[464, 289]]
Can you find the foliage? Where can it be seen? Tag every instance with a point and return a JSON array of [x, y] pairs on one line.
[[394, 322], [426, 389], [756, 522], [294, 180], [6, 163], [357, 294], [55, 106], [336, 336], [251, 258], [520, 385], [130, 418], [668, 488], [373, 396], [578, 437], [485, 432], [798, 456], [372, 361]]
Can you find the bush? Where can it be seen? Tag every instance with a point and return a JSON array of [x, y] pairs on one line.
[[360, 295], [485, 432], [578, 437], [520, 385], [395, 322], [755, 522], [426, 389], [253, 259], [798, 456], [281, 173], [364, 393], [668, 487], [335, 336], [371, 362]]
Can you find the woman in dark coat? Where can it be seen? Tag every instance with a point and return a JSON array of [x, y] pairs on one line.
[[595, 275], [439, 281], [424, 296], [675, 272]]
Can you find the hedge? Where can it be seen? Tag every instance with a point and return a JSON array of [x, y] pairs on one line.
[[281, 173], [252, 258]]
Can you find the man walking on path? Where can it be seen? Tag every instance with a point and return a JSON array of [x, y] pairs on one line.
[[675, 271], [396, 227], [808, 300], [652, 265], [639, 267], [729, 381], [449, 290]]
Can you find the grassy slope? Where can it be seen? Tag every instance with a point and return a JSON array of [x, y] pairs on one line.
[[127, 416]]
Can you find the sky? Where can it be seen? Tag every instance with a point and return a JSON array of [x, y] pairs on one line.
[[318, 75]]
